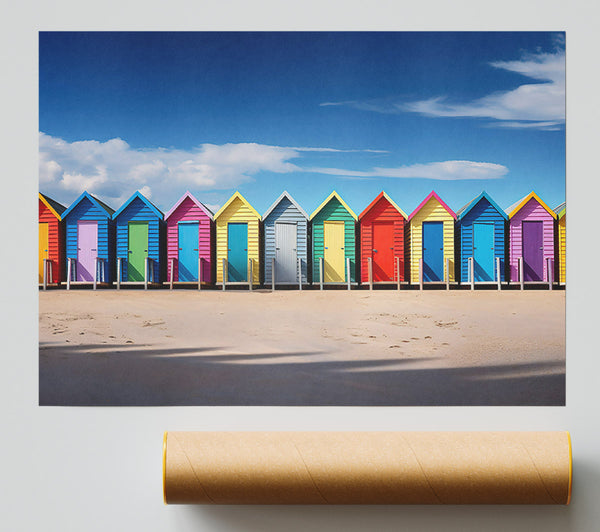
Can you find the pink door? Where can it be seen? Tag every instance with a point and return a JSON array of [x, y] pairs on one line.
[[87, 250]]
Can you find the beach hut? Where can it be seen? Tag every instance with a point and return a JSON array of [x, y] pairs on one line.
[[531, 237], [238, 241], [334, 240], [285, 227], [189, 241], [431, 238], [561, 243], [140, 241], [51, 239], [382, 226], [90, 240], [482, 228]]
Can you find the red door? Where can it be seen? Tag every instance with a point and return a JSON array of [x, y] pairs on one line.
[[383, 251]]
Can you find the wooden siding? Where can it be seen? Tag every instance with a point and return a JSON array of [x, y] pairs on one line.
[[382, 211], [334, 211], [285, 211], [138, 211], [55, 241], [483, 212], [531, 211], [432, 211], [88, 211], [562, 249], [188, 211], [238, 212]]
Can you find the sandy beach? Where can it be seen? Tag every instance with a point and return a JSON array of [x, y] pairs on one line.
[[184, 347]]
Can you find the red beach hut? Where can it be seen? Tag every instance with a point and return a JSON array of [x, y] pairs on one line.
[[382, 226], [51, 239], [190, 239]]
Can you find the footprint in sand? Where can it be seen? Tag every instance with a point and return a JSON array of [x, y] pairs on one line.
[[152, 323], [445, 323]]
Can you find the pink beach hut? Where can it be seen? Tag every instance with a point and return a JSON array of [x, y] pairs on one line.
[[531, 237], [189, 241]]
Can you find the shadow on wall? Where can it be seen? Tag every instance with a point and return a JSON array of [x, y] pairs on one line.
[[132, 375]]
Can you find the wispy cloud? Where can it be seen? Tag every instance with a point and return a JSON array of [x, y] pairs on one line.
[[444, 171], [539, 105]]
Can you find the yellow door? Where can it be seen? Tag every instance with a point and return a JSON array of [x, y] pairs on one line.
[[333, 239], [43, 249]]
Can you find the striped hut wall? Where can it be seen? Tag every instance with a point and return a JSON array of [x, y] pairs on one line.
[[484, 212], [285, 211], [334, 211], [432, 211], [238, 211], [88, 211], [188, 211], [138, 211], [562, 249], [55, 241], [531, 211], [382, 211]]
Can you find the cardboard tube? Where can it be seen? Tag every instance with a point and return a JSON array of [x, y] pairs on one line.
[[367, 468]]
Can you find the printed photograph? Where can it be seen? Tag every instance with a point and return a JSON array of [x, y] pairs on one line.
[[302, 218]]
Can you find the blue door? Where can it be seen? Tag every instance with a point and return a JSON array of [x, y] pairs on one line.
[[188, 252], [483, 251], [433, 251], [237, 252]]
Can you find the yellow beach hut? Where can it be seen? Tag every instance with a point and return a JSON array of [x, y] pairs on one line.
[[238, 229], [561, 212], [431, 238]]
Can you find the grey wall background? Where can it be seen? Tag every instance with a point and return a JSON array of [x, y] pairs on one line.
[[98, 469]]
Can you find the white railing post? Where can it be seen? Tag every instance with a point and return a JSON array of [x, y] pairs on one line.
[[421, 274], [370, 263], [119, 264], [299, 273], [498, 276], [273, 275], [200, 273], [224, 268], [447, 273], [250, 273], [472, 272], [45, 274], [146, 273], [398, 271], [95, 273], [521, 276], [69, 274], [348, 272], [549, 272], [321, 272], [172, 272]]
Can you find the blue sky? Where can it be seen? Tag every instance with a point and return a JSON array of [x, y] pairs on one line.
[[212, 113]]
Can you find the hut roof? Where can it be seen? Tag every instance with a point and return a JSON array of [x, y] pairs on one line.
[[56, 208], [189, 195], [139, 195], [561, 210], [382, 194], [235, 196], [516, 207], [432, 194], [285, 194], [463, 211], [94, 200], [331, 196]]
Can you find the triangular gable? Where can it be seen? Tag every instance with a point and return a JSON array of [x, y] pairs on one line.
[[335, 195], [561, 210], [465, 210], [139, 195], [516, 207], [235, 196], [198, 204], [285, 194], [376, 200], [102, 206], [431, 195], [56, 208]]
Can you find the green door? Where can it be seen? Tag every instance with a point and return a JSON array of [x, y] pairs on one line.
[[138, 250]]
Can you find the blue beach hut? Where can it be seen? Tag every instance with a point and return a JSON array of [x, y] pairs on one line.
[[140, 241], [90, 240], [482, 232]]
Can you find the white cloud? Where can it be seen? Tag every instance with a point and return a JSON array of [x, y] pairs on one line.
[[445, 171], [539, 105]]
